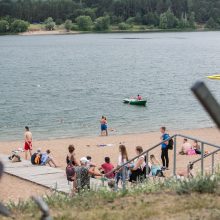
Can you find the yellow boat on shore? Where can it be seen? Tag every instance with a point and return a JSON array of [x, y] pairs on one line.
[[216, 77]]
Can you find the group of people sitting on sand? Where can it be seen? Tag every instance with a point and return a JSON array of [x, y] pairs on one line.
[[190, 149], [80, 172]]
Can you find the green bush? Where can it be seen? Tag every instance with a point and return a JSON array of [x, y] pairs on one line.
[[206, 184], [4, 26], [68, 25], [123, 26], [74, 27], [49, 24], [102, 23], [18, 26], [84, 23], [130, 20], [211, 24]]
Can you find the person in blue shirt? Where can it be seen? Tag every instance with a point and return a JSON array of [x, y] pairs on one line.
[[164, 149]]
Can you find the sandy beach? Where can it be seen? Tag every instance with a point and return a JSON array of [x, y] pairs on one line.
[[89, 146], [44, 32]]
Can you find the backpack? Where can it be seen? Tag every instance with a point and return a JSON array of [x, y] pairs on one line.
[[70, 172], [33, 158], [170, 144], [159, 173], [37, 159]]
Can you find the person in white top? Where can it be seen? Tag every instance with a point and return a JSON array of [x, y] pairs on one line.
[[122, 159], [138, 169], [185, 147]]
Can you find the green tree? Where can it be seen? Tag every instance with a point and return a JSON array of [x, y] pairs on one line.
[[151, 19], [183, 22], [211, 24], [68, 25], [102, 23], [18, 26], [4, 26], [49, 24], [163, 21], [192, 20], [168, 20], [84, 23]]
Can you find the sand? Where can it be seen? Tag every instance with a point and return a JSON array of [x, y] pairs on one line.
[[88, 146], [44, 32]]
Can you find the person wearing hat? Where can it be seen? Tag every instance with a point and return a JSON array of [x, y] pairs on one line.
[[83, 173]]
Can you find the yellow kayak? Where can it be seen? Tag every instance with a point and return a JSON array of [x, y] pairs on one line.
[[216, 77]]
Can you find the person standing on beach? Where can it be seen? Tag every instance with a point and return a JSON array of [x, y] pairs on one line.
[[164, 148], [28, 142]]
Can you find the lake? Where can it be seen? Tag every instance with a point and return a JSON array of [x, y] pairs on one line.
[[61, 85]]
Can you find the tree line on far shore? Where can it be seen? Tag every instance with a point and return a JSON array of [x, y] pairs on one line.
[[99, 15]]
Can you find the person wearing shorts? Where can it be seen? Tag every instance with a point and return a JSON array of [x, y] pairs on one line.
[[28, 142], [104, 130]]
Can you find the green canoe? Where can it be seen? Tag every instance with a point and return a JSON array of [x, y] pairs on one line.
[[135, 102]]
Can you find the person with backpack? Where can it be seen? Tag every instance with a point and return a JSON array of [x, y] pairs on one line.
[[164, 149]]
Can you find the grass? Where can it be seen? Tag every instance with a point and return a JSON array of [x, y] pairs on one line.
[[197, 198]]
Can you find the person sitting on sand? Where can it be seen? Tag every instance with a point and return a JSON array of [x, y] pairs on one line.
[[104, 129], [137, 168], [83, 174], [107, 167], [139, 97], [196, 147], [186, 146], [71, 156], [27, 142], [155, 166], [47, 159]]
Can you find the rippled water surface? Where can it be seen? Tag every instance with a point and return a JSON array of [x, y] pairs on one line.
[[61, 85]]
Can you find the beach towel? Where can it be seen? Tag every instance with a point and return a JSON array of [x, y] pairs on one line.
[[191, 152]]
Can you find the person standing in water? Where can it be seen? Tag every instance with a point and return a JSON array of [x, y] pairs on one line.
[[28, 142], [104, 130]]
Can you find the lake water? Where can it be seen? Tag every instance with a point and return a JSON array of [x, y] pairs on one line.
[[60, 86]]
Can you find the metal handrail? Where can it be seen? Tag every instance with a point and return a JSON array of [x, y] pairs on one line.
[[204, 142], [143, 153], [157, 145], [205, 156]]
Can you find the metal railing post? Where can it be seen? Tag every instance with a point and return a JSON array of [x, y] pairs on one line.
[[147, 168], [202, 158], [124, 178], [174, 157], [213, 163]]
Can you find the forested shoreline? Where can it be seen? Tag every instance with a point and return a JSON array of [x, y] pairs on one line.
[[109, 15]]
